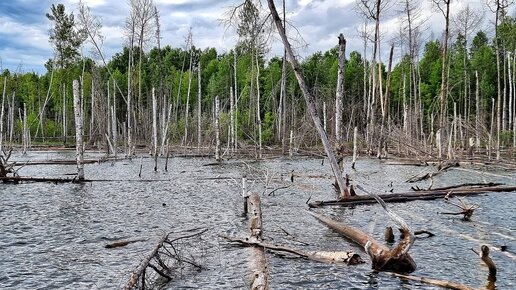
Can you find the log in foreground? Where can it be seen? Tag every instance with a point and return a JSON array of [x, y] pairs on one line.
[[260, 277], [383, 258], [411, 196]]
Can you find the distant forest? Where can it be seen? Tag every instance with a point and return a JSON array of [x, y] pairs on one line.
[[455, 92]]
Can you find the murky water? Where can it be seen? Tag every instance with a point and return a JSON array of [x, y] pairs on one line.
[[53, 235]]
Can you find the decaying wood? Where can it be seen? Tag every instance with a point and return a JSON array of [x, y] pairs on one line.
[[337, 257], [259, 278], [484, 256], [440, 169], [467, 210], [440, 283], [411, 196], [463, 185], [383, 258], [164, 259], [122, 243]]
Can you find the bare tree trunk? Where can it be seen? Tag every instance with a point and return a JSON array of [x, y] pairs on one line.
[[258, 111], [235, 109], [2, 109], [79, 144], [217, 129], [325, 127], [24, 132], [344, 192], [185, 137], [155, 129], [478, 113], [92, 116], [355, 153], [11, 114], [64, 115], [231, 120], [340, 89], [199, 105]]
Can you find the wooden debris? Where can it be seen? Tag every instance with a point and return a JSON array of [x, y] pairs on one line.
[[440, 283], [383, 258], [337, 257], [467, 210], [166, 260], [122, 243], [411, 196]]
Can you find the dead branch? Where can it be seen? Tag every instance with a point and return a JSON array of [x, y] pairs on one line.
[[467, 210], [168, 258], [440, 283]]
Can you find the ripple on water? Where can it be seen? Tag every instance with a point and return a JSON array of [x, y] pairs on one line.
[[54, 235]]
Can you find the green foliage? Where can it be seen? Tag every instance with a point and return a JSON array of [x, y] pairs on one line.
[[64, 37]]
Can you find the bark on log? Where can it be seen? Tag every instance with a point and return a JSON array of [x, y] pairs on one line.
[[143, 264], [383, 258], [337, 257], [411, 196], [260, 279]]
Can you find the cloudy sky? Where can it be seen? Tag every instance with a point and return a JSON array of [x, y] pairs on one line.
[[24, 28]]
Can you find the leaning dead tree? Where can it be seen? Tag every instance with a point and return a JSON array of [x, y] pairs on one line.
[[310, 102], [171, 258]]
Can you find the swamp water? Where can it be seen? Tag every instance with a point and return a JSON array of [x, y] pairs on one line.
[[53, 235]]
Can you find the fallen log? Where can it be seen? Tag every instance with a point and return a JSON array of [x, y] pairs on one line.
[[260, 277], [337, 257], [411, 196], [122, 243], [383, 258]]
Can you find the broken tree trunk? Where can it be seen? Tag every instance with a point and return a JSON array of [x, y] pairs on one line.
[[344, 192], [79, 146], [383, 258]]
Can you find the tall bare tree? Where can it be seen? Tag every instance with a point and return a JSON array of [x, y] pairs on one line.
[[498, 7]]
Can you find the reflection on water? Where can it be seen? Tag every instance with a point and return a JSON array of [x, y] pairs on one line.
[[53, 236]]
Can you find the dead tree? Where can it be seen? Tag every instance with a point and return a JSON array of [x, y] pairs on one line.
[[340, 89], [79, 131], [396, 259], [310, 102]]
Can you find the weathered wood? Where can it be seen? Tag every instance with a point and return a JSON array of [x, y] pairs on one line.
[[337, 257], [122, 243], [260, 279], [143, 264], [79, 120], [310, 102], [441, 283], [412, 196], [383, 258]]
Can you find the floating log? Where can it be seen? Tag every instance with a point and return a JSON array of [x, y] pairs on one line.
[[411, 196], [122, 243]]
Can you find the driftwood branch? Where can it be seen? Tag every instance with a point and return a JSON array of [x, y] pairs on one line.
[[440, 283]]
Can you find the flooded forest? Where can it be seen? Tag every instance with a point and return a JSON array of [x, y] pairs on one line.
[[173, 166]]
